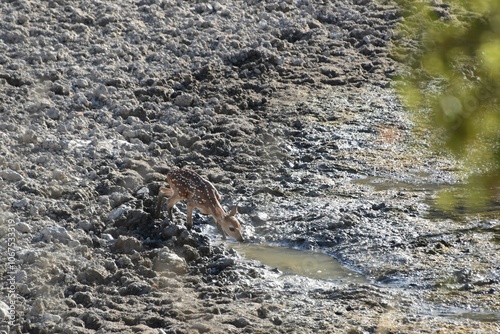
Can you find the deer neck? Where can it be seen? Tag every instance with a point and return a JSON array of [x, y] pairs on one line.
[[218, 213]]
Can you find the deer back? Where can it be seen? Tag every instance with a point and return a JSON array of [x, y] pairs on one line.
[[191, 186]]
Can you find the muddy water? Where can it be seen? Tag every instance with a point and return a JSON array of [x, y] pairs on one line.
[[290, 261]]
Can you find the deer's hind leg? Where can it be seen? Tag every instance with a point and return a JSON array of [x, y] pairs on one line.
[[190, 208]]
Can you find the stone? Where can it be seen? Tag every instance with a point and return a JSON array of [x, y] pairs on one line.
[[83, 298], [10, 175], [168, 261], [190, 253], [56, 233], [136, 288], [38, 308], [4, 310], [94, 274], [23, 227], [184, 100], [127, 245]]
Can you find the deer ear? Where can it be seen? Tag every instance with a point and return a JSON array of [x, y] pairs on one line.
[[234, 211]]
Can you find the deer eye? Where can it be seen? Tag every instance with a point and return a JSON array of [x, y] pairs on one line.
[[232, 229]]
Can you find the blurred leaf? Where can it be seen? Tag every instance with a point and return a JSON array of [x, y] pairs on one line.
[[453, 86]]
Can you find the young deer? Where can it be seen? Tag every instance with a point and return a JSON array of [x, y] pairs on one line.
[[201, 194]]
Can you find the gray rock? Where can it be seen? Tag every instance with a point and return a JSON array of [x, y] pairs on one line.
[[53, 113], [127, 245], [124, 262], [190, 253], [21, 276], [260, 217], [4, 310], [118, 213], [92, 320], [222, 263], [94, 274], [10, 175], [184, 100], [38, 308], [48, 317], [22, 204], [168, 261], [240, 322], [23, 227], [201, 328], [136, 288], [85, 225], [56, 233], [171, 230], [84, 298]]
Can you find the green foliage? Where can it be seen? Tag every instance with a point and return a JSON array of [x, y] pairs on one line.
[[453, 51]]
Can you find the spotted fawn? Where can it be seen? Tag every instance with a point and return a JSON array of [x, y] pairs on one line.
[[201, 194]]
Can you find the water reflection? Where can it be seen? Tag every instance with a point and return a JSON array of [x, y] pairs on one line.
[[307, 263]]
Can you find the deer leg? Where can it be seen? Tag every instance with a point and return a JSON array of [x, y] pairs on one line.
[[162, 193], [170, 204], [189, 223]]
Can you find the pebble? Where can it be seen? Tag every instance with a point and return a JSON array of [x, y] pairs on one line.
[[136, 288], [107, 237], [21, 276], [223, 263], [184, 100], [38, 308], [4, 310], [240, 322], [22, 204], [171, 230], [53, 113], [81, 83], [84, 298], [29, 137], [23, 227], [260, 218], [10, 175], [85, 225], [56, 233], [118, 212], [51, 317], [201, 328]]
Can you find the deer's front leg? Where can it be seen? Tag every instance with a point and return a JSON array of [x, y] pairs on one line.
[[162, 193], [190, 208]]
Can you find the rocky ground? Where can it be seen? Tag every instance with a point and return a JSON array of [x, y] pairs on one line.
[[288, 108]]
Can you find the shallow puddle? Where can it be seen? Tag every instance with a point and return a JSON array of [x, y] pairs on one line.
[[307, 263]]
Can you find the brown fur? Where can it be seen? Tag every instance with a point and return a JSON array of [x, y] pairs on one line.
[[199, 193]]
